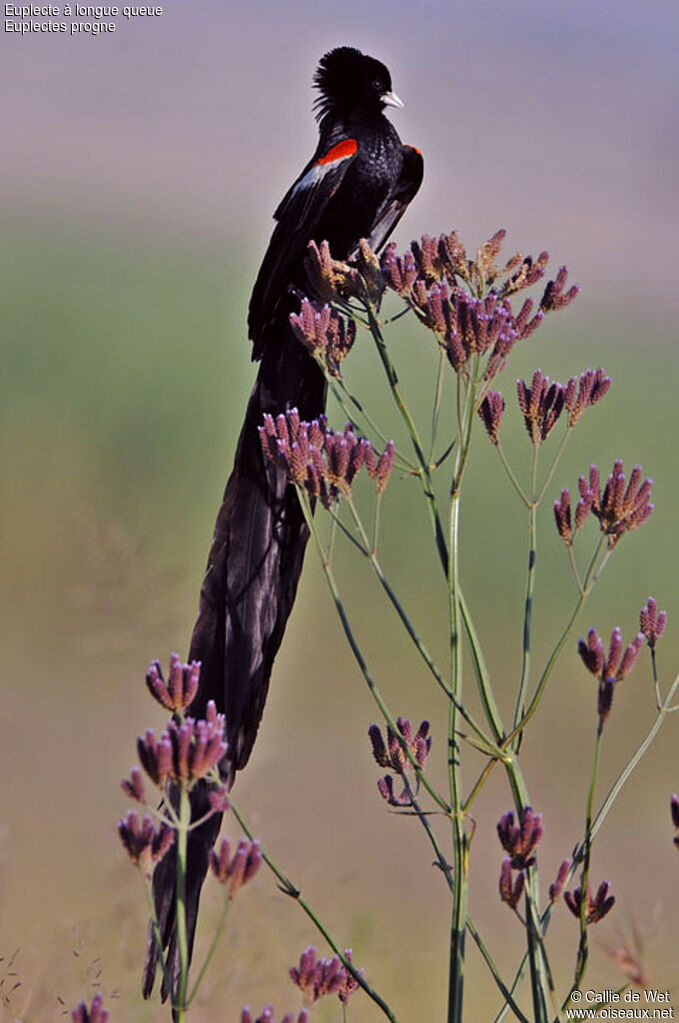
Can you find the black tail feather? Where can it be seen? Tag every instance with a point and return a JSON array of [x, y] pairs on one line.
[[246, 598]]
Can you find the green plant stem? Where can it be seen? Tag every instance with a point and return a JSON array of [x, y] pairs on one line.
[[424, 471], [552, 468], [489, 748], [291, 890], [447, 871], [437, 402], [534, 941], [219, 930], [342, 395], [574, 567], [510, 474], [358, 655], [528, 606], [179, 999], [633, 762], [583, 946], [460, 843], [590, 580]]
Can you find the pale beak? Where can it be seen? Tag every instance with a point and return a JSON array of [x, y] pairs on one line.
[[390, 99]]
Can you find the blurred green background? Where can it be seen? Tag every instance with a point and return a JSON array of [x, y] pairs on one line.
[[138, 175]]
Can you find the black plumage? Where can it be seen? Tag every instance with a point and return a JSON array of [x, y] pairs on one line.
[[356, 185]]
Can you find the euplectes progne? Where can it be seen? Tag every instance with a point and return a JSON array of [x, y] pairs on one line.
[[357, 185]]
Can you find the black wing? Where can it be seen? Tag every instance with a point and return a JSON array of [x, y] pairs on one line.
[[407, 186], [298, 215]]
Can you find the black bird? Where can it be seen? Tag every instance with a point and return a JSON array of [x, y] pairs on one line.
[[357, 185]]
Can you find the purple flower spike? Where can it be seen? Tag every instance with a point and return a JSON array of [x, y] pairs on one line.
[[95, 1014], [584, 392], [595, 908], [609, 669], [490, 413], [145, 843], [235, 871], [623, 505], [319, 977], [327, 335], [557, 885], [562, 515], [179, 691], [541, 404], [511, 889], [652, 622], [519, 841], [321, 460]]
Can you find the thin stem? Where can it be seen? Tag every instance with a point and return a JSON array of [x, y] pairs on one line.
[[424, 471], [182, 939], [219, 930], [510, 473], [437, 402], [288, 888], [583, 948], [627, 770], [341, 394], [460, 846], [557, 459], [590, 579], [410, 629], [358, 655], [504, 990], [574, 567], [534, 941], [528, 606]]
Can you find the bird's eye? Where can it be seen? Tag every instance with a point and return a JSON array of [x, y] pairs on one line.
[[377, 86]]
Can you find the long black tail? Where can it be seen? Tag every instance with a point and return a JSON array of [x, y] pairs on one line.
[[246, 598]]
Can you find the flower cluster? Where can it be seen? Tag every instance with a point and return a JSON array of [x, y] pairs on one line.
[[178, 692], [391, 754], [185, 751], [95, 1014], [319, 977], [267, 1016], [328, 278], [444, 288], [608, 669], [326, 334], [541, 405], [321, 460], [595, 908], [146, 844], [334, 280], [652, 622], [620, 507], [585, 391], [235, 871], [519, 842]]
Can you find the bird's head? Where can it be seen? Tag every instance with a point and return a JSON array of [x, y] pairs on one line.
[[348, 80]]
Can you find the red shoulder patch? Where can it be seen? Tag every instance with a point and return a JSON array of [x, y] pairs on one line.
[[339, 152], [416, 150]]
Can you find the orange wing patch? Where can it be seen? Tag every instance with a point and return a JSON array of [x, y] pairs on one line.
[[339, 152]]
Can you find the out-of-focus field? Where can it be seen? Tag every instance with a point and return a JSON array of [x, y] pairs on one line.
[[125, 372]]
